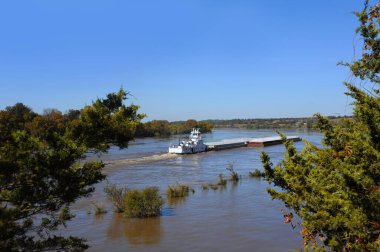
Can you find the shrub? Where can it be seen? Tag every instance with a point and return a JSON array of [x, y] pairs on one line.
[[257, 174], [220, 184], [143, 203], [179, 191], [221, 180], [234, 175], [215, 186], [205, 186], [116, 196], [99, 209]]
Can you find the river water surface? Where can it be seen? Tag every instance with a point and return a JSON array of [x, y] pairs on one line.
[[242, 217]]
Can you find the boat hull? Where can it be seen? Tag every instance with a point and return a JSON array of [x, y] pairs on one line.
[[193, 145], [187, 149]]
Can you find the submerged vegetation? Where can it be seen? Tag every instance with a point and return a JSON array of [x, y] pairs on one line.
[[116, 196], [179, 190], [233, 174], [135, 203], [99, 209], [257, 174], [221, 183], [205, 186], [143, 203], [221, 180]]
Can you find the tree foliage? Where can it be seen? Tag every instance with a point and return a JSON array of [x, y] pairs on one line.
[[165, 128], [42, 170], [143, 203], [336, 189]]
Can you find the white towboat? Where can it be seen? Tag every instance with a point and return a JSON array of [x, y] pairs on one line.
[[193, 145]]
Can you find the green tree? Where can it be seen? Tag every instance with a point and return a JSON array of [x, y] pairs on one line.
[[42, 170], [336, 189], [164, 128], [205, 127], [14, 117], [72, 114], [186, 127], [160, 128]]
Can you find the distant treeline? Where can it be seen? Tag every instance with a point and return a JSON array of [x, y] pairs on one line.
[[166, 128], [272, 123]]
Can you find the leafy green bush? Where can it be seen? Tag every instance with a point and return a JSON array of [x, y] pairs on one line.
[[179, 191], [257, 174], [143, 203]]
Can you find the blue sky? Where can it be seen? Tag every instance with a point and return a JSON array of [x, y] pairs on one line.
[[180, 59]]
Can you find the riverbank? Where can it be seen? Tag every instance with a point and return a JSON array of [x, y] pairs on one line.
[[306, 123]]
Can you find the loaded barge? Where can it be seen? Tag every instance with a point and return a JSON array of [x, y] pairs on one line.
[[195, 143], [248, 142]]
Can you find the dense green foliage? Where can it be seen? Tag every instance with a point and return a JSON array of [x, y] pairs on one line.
[[40, 169], [135, 203], [165, 128], [143, 203], [336, 189], [257, 174]]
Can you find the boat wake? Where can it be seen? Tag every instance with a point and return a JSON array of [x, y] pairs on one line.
[[141, 160]]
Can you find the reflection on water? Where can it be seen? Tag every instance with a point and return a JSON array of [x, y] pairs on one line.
[[235, 183], [146, 231], [172, 202], [98, 218], [237, 217]]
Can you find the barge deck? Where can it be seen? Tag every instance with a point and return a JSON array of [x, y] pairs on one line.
[[248, 142]]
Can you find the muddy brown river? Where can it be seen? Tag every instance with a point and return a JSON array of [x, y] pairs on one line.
[[242, 217]]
